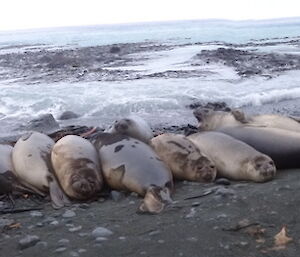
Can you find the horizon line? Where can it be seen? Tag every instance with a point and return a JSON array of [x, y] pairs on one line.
[[152, 22]]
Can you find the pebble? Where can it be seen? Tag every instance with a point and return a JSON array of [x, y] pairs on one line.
[[83, 234], [42, 244], [81, 250], [222, 181], [63, 242], [224, 192], [116, 195], [74, 229], [36, 214], [101, 232], [161, 241], [54, 222], [191, 214], [192, 239], [74, 254], [60, 249], [28, 241], [5, 222], [69, 214], [132, 202], [153, 233], [100, 239], [122, 238], [39, 224]]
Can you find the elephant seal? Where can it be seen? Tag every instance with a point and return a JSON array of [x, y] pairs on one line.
[[185, 160], [212, 120], [283, 146], [233, 158], [132, 126], [131, 165], [76, 166], [6, 169], [32, 166]]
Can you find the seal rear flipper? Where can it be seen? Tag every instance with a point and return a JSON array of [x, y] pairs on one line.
[[29, 188], [58, 198]]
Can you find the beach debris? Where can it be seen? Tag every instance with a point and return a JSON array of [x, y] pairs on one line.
[[281, 239]]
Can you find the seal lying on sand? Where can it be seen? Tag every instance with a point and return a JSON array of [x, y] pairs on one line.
[[9, 181], [131, 165], [6, 169], [132, 126], [233, 158], [185, 160], [212, 120], [76, 165], [32, 166], [281, 145]]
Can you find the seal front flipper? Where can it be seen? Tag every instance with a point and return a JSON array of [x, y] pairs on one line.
[[58, 198], [239, 115], [155, 200]]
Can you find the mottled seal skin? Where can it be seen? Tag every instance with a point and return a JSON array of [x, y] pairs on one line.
[[233, 158], [281, 145], [76, 165], [31, 157], [185, 160], [132, 126], [213, 120], [31, 160], [6, 168], [131, 165], [8, 180]]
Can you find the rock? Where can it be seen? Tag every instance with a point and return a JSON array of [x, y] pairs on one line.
[[75, 229], [28, 241], [225, 192], [116, 195], [155, 232], [36, 214], [42, 244], [63, 242], [67, 115], [69, 214], [44, 124], [100, 239], [115, 49], [5, 222], [101, 232], [191, 214], [223, 181], [74, 254], [60, 249]]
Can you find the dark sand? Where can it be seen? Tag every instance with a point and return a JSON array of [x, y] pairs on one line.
[[236, 220]]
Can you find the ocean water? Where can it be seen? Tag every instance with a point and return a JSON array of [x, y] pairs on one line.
[[161, 101]]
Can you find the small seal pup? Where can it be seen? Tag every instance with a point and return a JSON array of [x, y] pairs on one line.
[[283, 146], [131, 165], [233, 158], [185, 160], [76, 166], [32, 166], [132, 126], [212, 120]]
